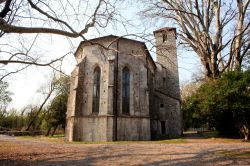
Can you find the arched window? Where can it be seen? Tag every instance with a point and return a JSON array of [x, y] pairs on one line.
[[125, 90], [96, 90]]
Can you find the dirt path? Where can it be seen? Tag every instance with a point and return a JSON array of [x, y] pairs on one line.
[[20, 151]]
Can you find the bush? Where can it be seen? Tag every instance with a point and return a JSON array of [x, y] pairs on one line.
[[222, 103]]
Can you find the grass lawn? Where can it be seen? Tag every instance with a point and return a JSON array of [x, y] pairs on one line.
[[59, 138], [208, 136], [168, 141]]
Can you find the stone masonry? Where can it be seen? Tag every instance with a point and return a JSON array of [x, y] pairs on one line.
[[153, 99]]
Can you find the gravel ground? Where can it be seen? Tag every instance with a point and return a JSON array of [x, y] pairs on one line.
[[21, 151]]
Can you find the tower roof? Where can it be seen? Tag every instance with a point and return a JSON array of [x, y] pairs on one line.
[[165, 29]]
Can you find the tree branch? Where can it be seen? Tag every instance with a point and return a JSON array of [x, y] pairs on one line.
[[6, 8]]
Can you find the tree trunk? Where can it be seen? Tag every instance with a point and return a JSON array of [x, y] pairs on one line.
[[245, 131], [47, 134], [52, 88], [246, 137], [54, 131]]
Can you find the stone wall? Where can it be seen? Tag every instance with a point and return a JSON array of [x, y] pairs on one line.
[[168, 111], [165, 106], [132, 56], [135, 126], [82, 124], [154, 101], [71, 105], [167, 59], [93, 128], [132, 128]]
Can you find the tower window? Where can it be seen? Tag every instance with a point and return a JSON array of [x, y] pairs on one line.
[[96, 90], [164, 37], [161, 105], [125, 90], [164, 81]]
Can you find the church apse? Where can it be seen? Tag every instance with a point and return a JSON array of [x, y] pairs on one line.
[[121, 93]]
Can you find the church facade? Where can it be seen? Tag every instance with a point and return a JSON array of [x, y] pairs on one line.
[[118, 93]]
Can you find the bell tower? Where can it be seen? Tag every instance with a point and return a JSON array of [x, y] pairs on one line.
[[166, 86], [166, 56]]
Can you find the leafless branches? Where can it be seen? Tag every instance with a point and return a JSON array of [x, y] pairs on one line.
[[42, 12], [24, 57], [71, 19], [48, 92], [217, 30]]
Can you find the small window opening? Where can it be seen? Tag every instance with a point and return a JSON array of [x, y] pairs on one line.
[[161, 105], [164, 81], [164, 37]]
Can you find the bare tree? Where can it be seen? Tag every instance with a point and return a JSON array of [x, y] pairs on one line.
[[217, 30], [62, 17], [46, 12], [54, 86]]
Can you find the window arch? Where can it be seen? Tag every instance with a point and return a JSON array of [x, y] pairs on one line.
[[96, 90], [125, 90]]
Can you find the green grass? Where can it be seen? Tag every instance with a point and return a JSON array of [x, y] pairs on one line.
[[210, 134], [59, 136], [27, 136], [169, 141], [179, 140], [56, 136], [39, 136]]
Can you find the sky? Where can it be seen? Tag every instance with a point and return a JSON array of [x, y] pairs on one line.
[[26, 84]]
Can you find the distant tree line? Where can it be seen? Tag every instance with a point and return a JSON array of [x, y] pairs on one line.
[[49, 115]]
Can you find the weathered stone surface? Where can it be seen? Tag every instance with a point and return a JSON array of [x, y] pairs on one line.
[[166, 93], [153, 91]]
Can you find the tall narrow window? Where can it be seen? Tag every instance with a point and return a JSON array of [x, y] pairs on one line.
[[96, 90], [164, 37], [125, 90]]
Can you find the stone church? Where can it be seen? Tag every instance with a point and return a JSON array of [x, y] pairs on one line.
[[119, 93]]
